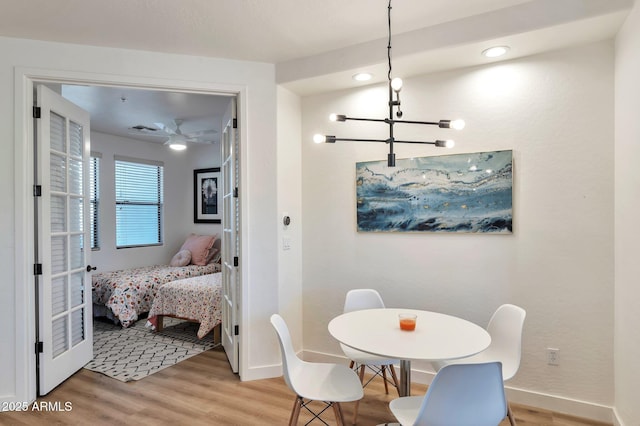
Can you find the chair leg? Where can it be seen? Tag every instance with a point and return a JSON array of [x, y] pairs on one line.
[[395, 378], [295, 412], [337, 410], [355, 408], [512, 419], [384, 377]]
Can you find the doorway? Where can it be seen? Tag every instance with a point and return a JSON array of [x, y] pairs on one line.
[[35, 79]]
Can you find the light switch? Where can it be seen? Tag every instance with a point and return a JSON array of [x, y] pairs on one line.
[[286, 243]]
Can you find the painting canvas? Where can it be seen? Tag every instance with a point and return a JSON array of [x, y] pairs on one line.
[[451, 193]]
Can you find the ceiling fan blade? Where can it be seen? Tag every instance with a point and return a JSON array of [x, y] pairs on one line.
[[165, 128], [157, 134], [201, 133]]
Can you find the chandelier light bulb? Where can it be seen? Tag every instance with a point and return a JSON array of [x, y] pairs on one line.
[[396, 84], [445, 144], [333, 117], [457, 124], [318, 138]]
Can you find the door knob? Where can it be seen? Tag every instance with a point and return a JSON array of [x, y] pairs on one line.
[[90, 268]]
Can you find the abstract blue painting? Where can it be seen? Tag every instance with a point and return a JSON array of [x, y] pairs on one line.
[[450, 193]]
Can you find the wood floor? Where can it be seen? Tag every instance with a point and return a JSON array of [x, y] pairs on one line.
[[203, 391]]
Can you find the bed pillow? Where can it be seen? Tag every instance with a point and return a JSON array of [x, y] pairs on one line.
[[199, 246], [214, 254], [181, 258]]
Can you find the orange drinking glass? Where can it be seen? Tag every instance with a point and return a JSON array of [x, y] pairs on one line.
[[407, 322]]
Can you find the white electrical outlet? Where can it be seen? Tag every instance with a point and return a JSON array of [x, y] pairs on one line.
[[553, 356]]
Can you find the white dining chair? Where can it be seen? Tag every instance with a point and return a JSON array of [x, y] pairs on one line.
[[355, 300], [505, 328], [460, 395], [329, 383]]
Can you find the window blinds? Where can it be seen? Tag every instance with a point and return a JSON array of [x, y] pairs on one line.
[[139, 202], [94, 200]]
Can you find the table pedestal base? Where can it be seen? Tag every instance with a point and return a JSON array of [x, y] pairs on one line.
[[405, 378]]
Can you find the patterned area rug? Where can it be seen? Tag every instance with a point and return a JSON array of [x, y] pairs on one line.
[[135, 352]]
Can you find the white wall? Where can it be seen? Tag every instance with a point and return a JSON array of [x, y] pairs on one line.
[[555, 111], [290, 203], [178, 199], [257, 91], [627, 204]]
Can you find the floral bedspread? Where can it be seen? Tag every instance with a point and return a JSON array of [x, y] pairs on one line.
[[130, 292], [196, 299]]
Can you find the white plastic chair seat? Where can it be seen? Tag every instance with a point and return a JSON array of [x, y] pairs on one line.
[[406, 409], [329, 383], [505, 328], [460, 395], [326, 382]]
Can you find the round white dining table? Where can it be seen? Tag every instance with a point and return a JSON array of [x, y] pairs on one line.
[[436, 337]]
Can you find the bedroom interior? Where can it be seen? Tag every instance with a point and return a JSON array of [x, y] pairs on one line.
[[128, 293], [189, 286], [565, 107]]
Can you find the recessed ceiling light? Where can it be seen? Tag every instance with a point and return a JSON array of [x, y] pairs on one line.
[[495, 51], [362, 76]]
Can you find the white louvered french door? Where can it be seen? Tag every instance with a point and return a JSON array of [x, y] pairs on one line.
[[63, 239], [231, 239]]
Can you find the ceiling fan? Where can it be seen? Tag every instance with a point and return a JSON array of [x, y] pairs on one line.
[[176, 138]]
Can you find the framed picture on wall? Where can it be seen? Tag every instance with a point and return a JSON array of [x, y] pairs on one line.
[[207, 199]]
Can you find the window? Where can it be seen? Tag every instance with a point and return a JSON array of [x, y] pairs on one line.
[[94, 199], [139, 201]]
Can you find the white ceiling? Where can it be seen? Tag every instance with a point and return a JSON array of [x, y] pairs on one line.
[[116, 110], [316, 45]]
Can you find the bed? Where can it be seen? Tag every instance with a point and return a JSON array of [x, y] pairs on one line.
[[126, 294], [197, 299]]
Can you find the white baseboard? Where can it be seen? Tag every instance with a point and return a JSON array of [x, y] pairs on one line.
[[558, 404], [262, 372], [616, 419]]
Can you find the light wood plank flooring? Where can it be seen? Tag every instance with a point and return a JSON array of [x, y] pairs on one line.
[[203, 391]]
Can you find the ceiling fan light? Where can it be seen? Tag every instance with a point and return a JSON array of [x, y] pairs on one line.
[[178, 146]]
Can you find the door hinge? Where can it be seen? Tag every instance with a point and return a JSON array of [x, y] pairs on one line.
[[39, 347], [235, 192], [37, 190], [37, 111], [236, 330], [37, 269], [235, 123], [236, 261]]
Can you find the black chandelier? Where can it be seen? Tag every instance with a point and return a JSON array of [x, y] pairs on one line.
[[395, 85]]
